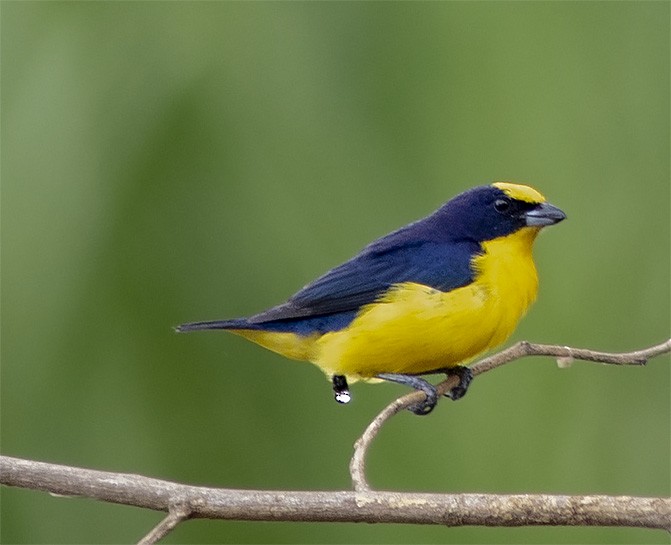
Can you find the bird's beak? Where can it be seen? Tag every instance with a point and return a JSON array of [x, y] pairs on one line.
[[544, 214]]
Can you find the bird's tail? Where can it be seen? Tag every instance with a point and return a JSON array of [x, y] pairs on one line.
[[240, 323]]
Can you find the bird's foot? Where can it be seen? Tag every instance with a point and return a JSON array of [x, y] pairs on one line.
[[465, 377], [426, 406], [341, 389]]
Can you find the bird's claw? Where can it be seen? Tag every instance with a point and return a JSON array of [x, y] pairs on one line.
[[465, 376], [426, 406]]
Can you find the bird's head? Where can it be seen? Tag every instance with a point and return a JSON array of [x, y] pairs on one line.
[[502, 208]]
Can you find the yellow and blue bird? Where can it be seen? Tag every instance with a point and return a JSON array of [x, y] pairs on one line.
[[424, 299]]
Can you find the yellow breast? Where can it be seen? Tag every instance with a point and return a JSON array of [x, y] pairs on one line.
[[508, 273], [417, 329]]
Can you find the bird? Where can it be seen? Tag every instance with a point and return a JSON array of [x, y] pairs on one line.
[[424, 299]]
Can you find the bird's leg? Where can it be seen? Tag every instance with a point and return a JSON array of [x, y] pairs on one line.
[[426, 406], [465, 377], [341, 389]]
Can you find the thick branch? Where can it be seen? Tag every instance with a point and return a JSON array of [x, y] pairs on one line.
[[564, 355], [337, 506]]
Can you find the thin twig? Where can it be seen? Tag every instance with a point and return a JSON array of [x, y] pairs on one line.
[[356, 465], [176, 514], [522, 349], [340, 506]]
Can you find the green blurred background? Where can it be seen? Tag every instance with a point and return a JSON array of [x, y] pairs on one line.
[[167, 162]]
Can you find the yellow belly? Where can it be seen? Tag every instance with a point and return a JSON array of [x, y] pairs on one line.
[[417, 329], [414, 329]]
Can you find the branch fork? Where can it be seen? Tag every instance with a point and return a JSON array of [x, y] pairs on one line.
[[522, 349]]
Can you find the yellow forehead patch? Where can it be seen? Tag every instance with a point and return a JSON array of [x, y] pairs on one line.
[[520, 192]]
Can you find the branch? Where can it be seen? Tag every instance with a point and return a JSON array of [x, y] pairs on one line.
[[334, 506], [362, 505], [565, 355]]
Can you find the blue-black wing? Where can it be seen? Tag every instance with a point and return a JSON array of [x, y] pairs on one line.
[[443, 265]]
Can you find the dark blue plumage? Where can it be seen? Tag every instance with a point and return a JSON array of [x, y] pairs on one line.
[[435, 251]]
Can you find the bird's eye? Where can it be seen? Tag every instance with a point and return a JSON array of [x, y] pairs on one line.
[[502, 205]]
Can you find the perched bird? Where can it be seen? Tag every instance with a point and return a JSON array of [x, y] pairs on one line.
[[423, 299]]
